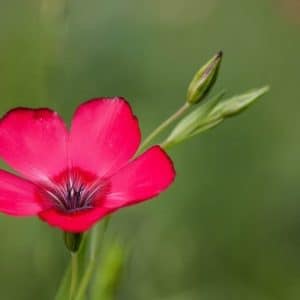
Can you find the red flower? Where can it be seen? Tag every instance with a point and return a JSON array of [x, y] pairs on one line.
[[76, 177]]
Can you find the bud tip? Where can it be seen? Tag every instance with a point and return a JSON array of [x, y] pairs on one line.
[[220, 54]]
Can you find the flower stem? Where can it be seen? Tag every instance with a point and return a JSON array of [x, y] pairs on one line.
[[164, 125], [85, 280], [96, 239], [74, 274]]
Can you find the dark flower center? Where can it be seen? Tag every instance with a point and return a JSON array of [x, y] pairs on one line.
[[75, 193]]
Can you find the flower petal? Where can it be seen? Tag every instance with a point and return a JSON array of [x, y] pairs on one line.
[[104, 135], [18, 196], [144, 178], [34, 142], [76, 221]]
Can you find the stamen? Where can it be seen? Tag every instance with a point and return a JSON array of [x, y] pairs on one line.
[[74, 194]]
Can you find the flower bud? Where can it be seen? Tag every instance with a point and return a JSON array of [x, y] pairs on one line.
[[72, 241], [192, 123], [210, 114], [204, 79], [237, 104]]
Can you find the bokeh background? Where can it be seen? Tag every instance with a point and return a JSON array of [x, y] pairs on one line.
[[229, 228]]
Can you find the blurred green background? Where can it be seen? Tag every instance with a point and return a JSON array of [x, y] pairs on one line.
[[229, 229]]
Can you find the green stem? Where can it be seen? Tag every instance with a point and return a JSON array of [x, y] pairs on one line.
[[164, 125], [95, 241], [166, 146], [85, 280], [74, 274]]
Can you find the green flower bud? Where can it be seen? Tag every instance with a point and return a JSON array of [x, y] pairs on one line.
[[237, 104], [193, 122], [204, 79], [210, 114]]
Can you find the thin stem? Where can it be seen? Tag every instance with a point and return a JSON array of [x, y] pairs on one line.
[[95, 241], [74, 274], [85, 280], [164, 125], [165, 145]]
